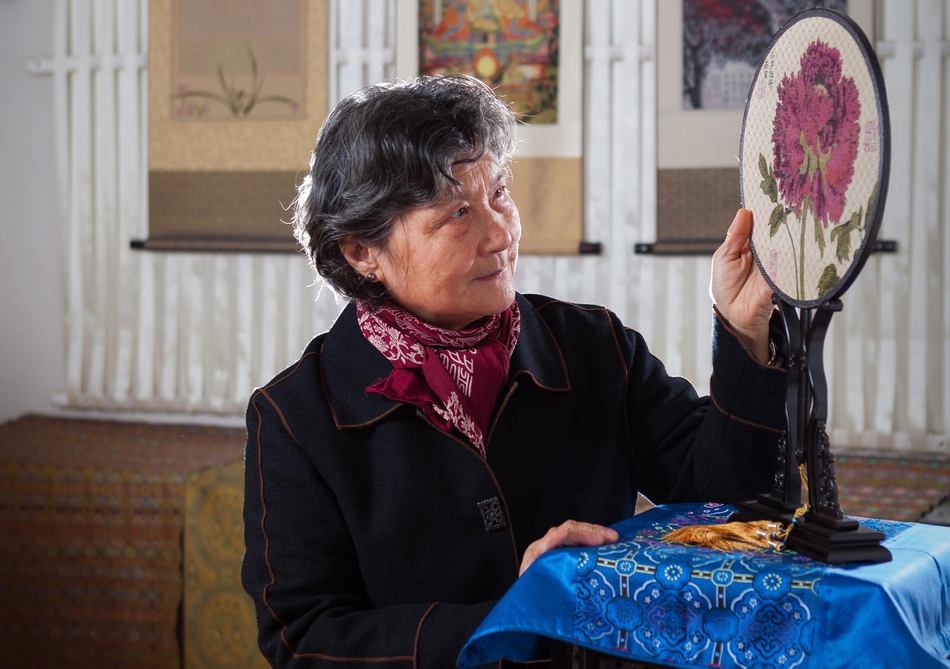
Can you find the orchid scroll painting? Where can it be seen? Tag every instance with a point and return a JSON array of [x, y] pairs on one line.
[[812, 159]]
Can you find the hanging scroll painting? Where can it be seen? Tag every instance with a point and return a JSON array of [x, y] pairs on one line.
[[530, 52], [237, 93]]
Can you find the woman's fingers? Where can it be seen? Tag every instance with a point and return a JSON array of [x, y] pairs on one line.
[[737, 237], [568, 533]]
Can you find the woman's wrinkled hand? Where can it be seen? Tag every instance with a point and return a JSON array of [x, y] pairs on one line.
[[568, 533], [738, 289]]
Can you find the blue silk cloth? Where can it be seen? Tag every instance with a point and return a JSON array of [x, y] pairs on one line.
[[649, 600]]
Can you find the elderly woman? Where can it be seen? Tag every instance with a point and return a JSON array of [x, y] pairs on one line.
[[447, 430]]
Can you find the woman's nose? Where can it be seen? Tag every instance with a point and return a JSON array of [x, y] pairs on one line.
[[498, 234]]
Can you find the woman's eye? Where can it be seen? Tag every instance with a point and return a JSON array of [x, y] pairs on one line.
[[501, 191], [458, 213]]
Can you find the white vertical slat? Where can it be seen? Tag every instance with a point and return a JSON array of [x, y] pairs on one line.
[[61, 137], [129, 205], [898, 73], [646, 230], [923, 216], [673, 311], [850, 357], [244, 330], [625, 159], [268, 314], [871, 350], [296, 337], [632, 41], [195, 315], [80, 219], [375, 41], [223, 332], [390, 71], [350, 68], [928, 277], [686, 308], [597, 146], [702, 331], [145, 330], [168, 278], [104, 220]]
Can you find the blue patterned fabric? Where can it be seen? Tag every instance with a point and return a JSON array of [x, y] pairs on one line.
[[649, 600]]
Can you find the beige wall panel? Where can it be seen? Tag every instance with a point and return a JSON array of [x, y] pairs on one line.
[[548, 193]]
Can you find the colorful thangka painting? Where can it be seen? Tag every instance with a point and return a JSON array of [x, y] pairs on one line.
[[723, 42], [238, 60], [512, 45]]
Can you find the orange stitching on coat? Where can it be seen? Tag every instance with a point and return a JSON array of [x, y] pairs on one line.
[[741, 420], [491, 428], [559, 354], [292, 371], [415, 646], [280, 414], [270, 571], [569, 304]]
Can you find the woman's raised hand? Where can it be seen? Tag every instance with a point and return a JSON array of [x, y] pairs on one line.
[[568, 533], [738, 289]]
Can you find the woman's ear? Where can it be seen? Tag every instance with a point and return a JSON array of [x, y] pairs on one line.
[[361, 258]]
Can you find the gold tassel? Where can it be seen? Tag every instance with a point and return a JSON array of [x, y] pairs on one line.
[[753, 535]]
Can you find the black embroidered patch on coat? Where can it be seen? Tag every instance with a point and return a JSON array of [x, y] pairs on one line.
[[492, 515]]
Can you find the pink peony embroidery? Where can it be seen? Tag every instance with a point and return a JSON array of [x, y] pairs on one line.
[[816, 135]]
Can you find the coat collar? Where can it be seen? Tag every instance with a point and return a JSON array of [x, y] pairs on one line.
[[349, 364]]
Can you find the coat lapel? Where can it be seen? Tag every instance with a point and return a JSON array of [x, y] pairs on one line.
[[349, 364], [537, 354]]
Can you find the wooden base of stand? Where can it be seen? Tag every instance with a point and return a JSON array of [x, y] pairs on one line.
[[826, 544]]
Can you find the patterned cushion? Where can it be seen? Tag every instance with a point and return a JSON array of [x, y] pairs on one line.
[[220, 629]]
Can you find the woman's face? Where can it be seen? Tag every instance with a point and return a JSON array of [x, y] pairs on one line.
[[453, 263]]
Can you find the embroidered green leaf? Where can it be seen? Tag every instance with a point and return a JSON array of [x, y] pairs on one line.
[[828, 280], [768, 185], [867, 213], [763, 166], [819, 236], [777, 219], [842, 235]]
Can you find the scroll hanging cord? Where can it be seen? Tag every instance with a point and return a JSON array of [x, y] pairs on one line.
[[756, 534]]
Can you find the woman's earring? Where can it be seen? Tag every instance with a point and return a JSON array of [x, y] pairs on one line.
[[371, 277]]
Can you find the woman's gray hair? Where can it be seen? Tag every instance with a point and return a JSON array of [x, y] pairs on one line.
[[385, 150]]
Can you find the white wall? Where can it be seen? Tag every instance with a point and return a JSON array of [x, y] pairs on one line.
[[31, 330]]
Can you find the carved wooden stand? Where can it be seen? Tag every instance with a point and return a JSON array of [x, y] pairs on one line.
[[824, 533]]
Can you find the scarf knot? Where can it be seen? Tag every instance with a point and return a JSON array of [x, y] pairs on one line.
[[455, 376]]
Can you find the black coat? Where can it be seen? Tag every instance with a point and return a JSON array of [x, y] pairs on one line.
[[374, 538]]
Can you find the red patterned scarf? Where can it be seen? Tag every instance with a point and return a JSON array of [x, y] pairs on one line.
[[454, 375]]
